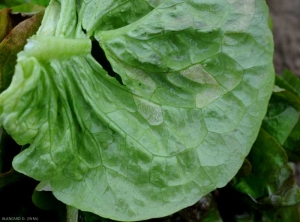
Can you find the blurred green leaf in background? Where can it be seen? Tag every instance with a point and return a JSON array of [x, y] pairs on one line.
[[11, 3]]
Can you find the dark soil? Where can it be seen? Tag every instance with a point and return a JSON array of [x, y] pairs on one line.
[[286, 20]]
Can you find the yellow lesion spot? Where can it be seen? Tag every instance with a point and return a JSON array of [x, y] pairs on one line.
[[208, 96], [210, 89], [150, 111], [198, 74]]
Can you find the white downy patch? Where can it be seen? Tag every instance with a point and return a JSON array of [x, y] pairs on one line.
[[150, 111]]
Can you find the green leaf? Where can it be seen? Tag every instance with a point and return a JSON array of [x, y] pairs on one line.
[[12, 3], [46, 201], [195, 88], [283, 85], [280, 119], [113, 14], [286, 214], [289, 97], [13, 44], [271, 182], [288, 93], [27, 9], [291, 145], [270, 22], [284, 90], [245, 169], [292, 80], [39, 2]]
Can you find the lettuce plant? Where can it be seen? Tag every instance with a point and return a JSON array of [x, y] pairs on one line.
[[170, 119]]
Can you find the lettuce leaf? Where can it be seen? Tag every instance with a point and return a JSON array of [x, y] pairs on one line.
[[271, 182], [12, 3], [193, 93], [280, 115]]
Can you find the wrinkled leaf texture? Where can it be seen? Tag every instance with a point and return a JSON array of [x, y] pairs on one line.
[[197, 77]]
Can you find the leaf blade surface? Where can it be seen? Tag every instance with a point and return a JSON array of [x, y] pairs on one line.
[[193, 99]]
